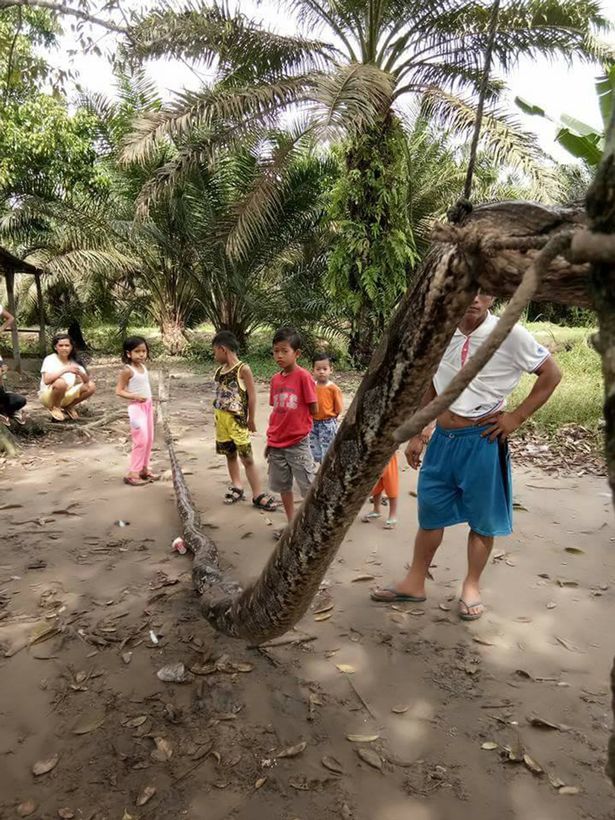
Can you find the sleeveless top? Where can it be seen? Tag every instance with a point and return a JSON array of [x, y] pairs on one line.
[[231, 394], [139, 382]]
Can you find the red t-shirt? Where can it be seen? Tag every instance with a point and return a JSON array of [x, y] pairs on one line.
[[289, 395]]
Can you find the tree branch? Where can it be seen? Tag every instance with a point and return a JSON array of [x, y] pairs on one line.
[[60, 8]]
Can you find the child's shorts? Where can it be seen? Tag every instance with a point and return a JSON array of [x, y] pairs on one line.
[[465, 479], [231, 436], [388, 483], [321, 438], [288, 463]]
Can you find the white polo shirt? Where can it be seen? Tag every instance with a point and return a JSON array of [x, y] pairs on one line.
[[519, 353]]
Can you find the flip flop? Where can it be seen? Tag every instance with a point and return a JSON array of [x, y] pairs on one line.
[[390, 524], [395, 597], [71, 413], [57, 414], [149, 476], [467, 615]]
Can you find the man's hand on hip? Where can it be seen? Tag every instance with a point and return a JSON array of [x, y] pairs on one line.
[[500, 425]]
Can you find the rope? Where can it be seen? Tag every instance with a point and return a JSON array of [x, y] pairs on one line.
[[467, 189]]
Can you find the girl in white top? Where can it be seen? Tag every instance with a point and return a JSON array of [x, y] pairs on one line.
[[133, 384], [64, 382]]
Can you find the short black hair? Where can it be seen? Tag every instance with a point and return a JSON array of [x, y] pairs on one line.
[[322, 357], [224, 338], [130, 344], [287, 334]]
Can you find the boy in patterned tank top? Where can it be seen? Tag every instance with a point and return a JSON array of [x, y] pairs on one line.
[[235, 418]]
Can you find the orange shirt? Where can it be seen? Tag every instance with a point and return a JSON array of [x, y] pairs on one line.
[[330, 401]]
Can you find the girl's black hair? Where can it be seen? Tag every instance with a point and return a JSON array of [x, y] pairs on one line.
[[129, 344], [60, 337]]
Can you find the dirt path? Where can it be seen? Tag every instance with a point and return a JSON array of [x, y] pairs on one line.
[[80, 598]]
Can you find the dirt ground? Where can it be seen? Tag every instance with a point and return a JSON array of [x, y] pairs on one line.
[[442, 713]]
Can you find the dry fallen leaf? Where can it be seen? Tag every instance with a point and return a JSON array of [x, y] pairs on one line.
[[362, 738], [489, 745], [292, 751], [568, 790], [89, 722], [566, 644], [260, 782], [132, 723], [66, 813], [551, 605], [145, 794], [399, 710], [531, 764], [27, 808], [323, 616], [324, 608], [44, 766], [163, 750], [444, 607], [243, 667], [332, 764], [346, 668], [542, 723], [575, 551], [127, 816], [483, 641], [365, 577], [370, 757]]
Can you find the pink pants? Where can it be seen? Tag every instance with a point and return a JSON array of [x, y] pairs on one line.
[[141, 415]]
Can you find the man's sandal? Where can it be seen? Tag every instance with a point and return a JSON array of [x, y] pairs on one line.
[[370, 516], [389, 595], [234, 495], [467, 615], [264, 502]]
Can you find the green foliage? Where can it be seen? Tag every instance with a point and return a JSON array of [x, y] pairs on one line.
[[579, 396], [374, 249]]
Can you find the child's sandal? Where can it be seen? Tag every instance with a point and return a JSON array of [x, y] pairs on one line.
[[370, 516], [147, 475], [262, 502], [134, 482], [234, 495], [390, 524]]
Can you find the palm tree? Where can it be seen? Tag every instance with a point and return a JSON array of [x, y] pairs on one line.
[[374, 60]]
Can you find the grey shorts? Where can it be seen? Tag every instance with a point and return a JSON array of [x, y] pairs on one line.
[[288, 463]]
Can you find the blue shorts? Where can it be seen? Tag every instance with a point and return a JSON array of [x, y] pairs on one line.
[[321, 438], [465, 479]]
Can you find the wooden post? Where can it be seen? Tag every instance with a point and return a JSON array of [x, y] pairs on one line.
[[42, 343], [10, 292]]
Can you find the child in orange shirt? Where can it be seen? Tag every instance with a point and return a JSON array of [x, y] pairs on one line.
[[330, 405], [388, 483]]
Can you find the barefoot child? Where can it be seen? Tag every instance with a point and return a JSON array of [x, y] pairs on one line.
[[330, 406], [388, 483], [235, 417], [292, 397], [133, 385]]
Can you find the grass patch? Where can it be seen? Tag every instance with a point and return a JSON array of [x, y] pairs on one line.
[[579, 397]]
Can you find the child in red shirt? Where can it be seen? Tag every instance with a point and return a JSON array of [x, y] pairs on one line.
[[293, 398]]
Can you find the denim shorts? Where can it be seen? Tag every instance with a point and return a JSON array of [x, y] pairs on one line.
[[465, 479], [321, 438], [288, 463]]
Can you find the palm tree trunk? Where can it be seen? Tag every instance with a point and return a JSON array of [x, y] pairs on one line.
[[172, 331]]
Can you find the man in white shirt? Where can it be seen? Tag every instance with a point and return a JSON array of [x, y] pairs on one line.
[[466, 477]]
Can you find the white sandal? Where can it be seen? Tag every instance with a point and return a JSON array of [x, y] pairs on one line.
[[370, 516], [390, 524]]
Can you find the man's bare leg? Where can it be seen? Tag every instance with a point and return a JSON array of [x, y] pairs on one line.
[[479, 549], [425, 545]]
